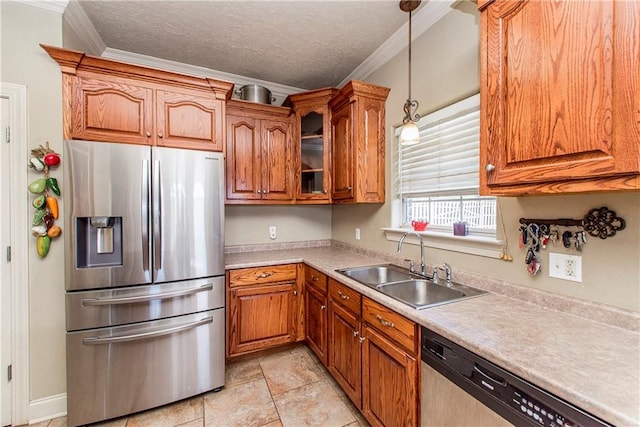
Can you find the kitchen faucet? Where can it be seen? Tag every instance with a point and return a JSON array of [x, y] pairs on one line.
[[422, 266]]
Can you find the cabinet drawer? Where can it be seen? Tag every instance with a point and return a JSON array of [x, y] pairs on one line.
[[258, 275], [391, 324], [313, 277], [345, 296]]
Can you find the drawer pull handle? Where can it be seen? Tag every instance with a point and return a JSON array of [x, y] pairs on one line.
[[265, 275], [384, 322], [314, 278], [343, 296], [146, 335]]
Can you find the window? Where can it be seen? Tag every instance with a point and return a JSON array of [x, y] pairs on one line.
[[438, 177]]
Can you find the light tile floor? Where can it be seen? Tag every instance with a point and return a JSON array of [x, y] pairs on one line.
[[286, 387]]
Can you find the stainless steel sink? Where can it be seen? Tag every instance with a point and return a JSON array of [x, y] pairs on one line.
[[420, 293], [410, 288], [374, 275]]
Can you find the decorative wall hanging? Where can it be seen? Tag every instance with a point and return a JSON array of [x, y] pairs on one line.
[[536, 234], [45, 203]]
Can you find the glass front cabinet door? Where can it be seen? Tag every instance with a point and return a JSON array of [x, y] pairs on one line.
[[313, 145]]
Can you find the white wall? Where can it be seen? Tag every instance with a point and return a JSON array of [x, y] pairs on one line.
[[24, 27], [249, 225], [445, 69]]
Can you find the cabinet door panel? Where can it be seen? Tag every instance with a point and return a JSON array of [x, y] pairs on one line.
[[560, 100], [261, 316], [111, 111], [276, 152], [189, 121], [345, 351], [342, 137], [316, 322], [389, 382], [243, 158], [370, 185]]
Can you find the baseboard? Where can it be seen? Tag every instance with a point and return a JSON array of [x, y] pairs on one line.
[[47, 408]]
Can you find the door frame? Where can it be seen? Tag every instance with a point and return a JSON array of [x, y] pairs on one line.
[[19, 240]]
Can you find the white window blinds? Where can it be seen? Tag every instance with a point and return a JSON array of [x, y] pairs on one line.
[[446, 160]]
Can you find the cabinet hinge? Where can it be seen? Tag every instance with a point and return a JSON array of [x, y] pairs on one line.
[[7, 134], [8, 253], [9, 372]]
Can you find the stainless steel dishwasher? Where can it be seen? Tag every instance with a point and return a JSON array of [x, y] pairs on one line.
[[460, 388]]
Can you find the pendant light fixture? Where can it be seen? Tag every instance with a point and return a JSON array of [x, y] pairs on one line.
[[410, 133]]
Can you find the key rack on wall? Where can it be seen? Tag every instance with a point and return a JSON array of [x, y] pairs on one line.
[[598, 222], [536, 233]]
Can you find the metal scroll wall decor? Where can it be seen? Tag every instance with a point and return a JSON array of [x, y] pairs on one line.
[[536, 234], [45, 203]]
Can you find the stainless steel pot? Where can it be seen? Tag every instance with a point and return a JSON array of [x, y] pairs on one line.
[[255, 93]]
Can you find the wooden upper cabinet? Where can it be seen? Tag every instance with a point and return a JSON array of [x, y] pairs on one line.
[[110, 101], [560, 110], [358, 138], [110, 110], [259, 154], [189, 120], [312, 142]]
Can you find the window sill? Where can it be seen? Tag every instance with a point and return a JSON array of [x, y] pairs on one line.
[[474, 245]]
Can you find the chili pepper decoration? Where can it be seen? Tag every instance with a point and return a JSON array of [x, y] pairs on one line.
[[52, 184]]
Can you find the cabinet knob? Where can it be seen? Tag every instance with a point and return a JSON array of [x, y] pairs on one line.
[[489, 167], [160, 135], [148, 134], [355, 333], [295, 293], [259, 191], [322, 307], [324, 191], [361, 340]]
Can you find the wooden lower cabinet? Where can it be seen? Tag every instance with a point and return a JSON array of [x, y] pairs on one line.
[[316, 322], [373, 355], [263, 308], [345, 351], [389, 382]]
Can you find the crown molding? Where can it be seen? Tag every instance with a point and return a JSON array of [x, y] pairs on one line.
[[279, 91], [57, 6], [78, 20], [421, 21]]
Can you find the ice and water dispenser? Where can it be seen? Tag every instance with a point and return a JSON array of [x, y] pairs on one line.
[[98, 241]]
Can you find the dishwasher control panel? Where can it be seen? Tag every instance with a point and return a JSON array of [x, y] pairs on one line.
[[515, 399]]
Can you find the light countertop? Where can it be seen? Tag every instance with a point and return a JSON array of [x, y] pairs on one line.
[[592, 365]]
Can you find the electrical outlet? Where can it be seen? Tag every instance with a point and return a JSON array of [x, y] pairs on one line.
[[357, 234], [272, 232], [566, 267]]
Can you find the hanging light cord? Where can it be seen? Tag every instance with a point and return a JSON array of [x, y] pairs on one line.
[[410, 104]]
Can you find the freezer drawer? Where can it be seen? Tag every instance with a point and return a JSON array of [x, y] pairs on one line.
[[119, 306], [117, 371]]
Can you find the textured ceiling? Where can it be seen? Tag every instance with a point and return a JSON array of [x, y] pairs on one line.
[[307, 44]]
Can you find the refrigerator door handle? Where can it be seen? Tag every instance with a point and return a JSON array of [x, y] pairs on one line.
[[147, 335], [145, 298], [157, 218], [145, 214]]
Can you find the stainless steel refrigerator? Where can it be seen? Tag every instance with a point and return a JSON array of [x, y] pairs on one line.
[[144, 275]]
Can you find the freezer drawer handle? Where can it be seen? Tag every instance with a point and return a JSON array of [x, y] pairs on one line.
[[144, 298], [147, 335]]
